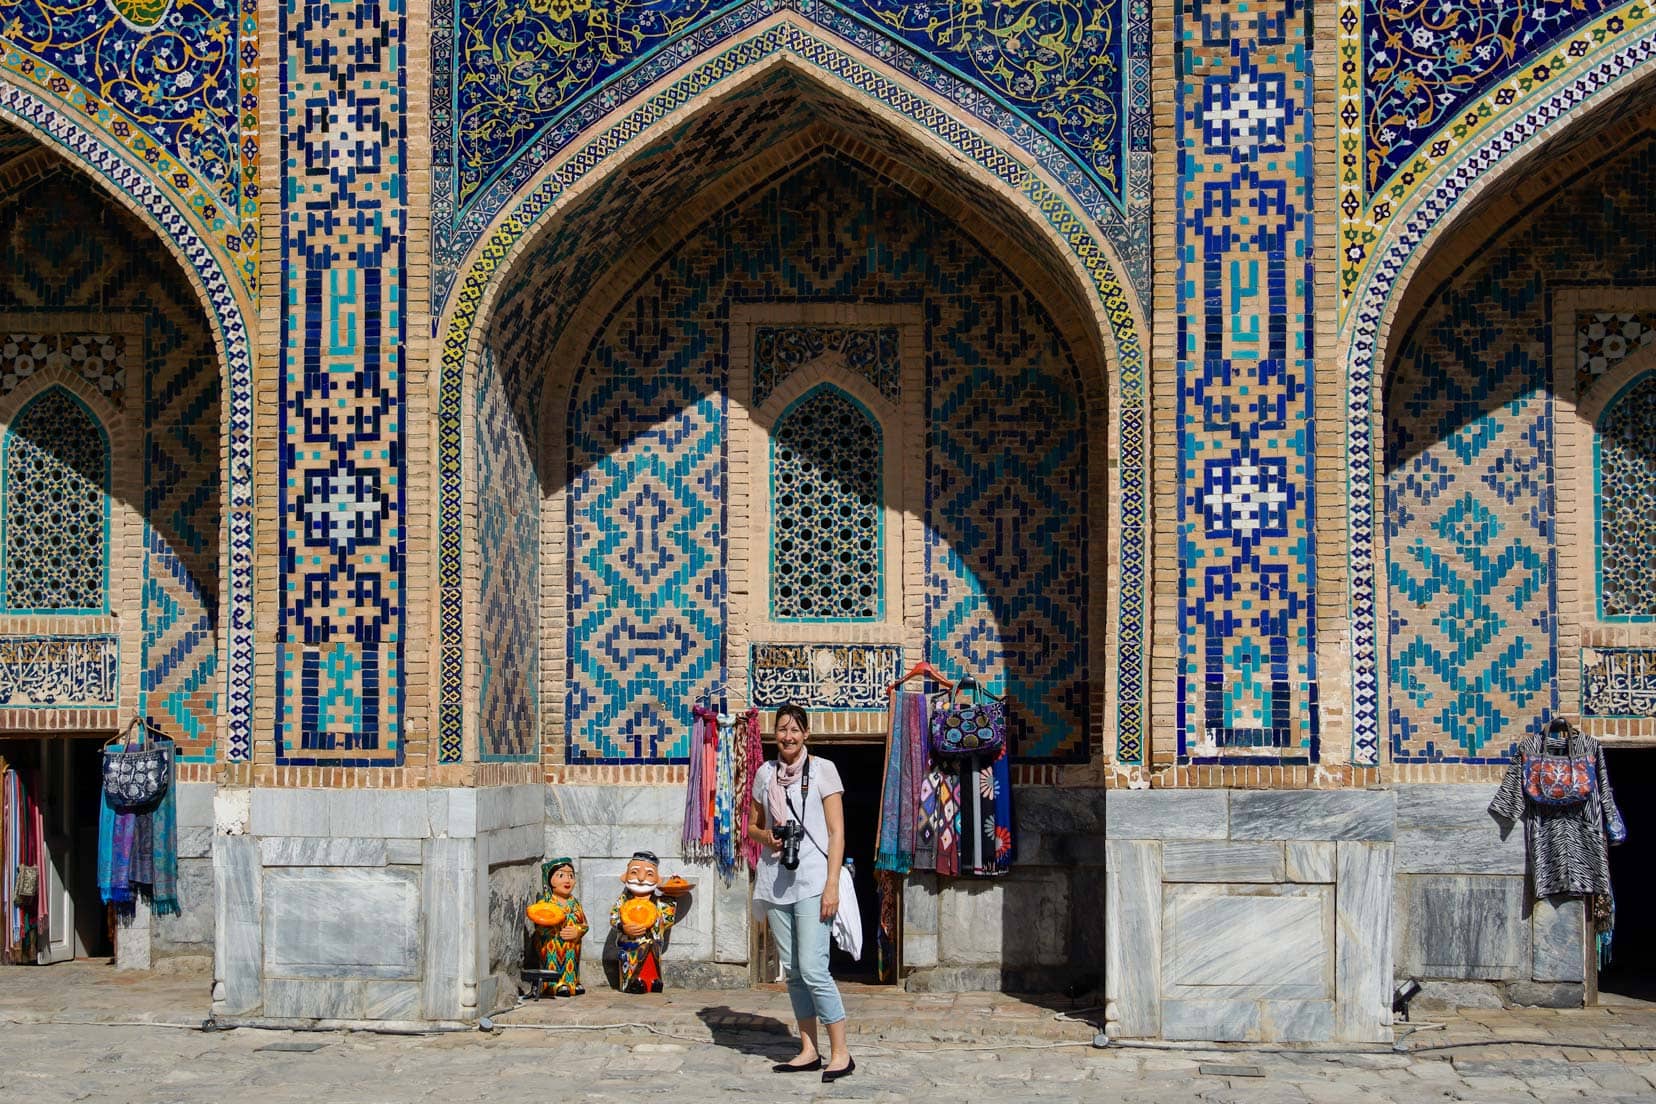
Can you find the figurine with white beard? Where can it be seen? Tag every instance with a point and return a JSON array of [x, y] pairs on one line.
[[642, 917]]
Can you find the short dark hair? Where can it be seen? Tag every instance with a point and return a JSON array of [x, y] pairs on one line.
[[798, 715]]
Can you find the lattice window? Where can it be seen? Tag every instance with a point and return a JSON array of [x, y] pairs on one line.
[[1627, 503], [56, 506], [825, 511]]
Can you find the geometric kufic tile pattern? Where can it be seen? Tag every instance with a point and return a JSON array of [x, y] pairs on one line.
[[1006, 487], [1247, 675], [1606, 338], [1055, 211], [1626, 466], [825, 547], [149, 284], [56, 508], [1469, 520], [1615, 51], [1468, 418], [181, 509], [99, 359], [508, 542], [342, 523], [646, 584], [95, 256], [869, 351]]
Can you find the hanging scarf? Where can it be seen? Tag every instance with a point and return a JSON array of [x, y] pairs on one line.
[[926, 822], [752, 758], [914, 760], [164, 837], [887, 886], [710, 778], [890, 855], [724, 831], [1004, 849], [776, 794], [693, 808], [948, 820]]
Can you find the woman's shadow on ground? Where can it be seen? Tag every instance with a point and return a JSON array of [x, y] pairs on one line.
[[748, 1034]]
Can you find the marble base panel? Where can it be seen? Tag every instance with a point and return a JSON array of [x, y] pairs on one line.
[[371, 906]]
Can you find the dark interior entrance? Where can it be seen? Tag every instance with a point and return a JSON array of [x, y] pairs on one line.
[[861, 768], [1631, 970], [58, 778]]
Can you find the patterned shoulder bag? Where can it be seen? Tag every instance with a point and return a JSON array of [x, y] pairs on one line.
[[1556, 779]]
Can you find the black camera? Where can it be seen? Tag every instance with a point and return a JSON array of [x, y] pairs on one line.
[[789, 835]]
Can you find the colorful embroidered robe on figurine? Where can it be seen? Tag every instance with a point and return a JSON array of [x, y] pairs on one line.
[[562, 956], [640, 959]]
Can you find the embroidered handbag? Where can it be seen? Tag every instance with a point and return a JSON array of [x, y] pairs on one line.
[[961, 730], [1559, 781], [135, 775]]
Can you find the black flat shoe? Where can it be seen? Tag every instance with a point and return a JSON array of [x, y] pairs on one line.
[[813, 1064], [835, 1075]]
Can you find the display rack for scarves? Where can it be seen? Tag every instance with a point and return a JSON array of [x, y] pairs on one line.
[[21, 849], [725, 753], [979, 784], [138, 842]]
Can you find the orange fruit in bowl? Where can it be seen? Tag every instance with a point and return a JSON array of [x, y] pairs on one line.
[[639, 912], [675, 886], [545, 914]]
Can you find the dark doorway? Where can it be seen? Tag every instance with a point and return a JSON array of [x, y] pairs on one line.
[[61, 776], [1631, 970], [862, 769]]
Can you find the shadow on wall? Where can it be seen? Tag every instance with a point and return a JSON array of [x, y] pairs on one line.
[[616, 419], [77, 268], [1471, 437]]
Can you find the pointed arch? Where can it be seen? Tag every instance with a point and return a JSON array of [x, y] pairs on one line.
[[986, 167], [227, 305], [1550, 118]]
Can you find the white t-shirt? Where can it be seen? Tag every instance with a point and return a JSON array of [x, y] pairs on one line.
[[774, 883]]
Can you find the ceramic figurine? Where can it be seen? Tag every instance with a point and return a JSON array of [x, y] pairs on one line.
[[642, 917], [560, 925]]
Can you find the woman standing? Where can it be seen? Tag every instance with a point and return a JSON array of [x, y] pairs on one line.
[[800, 903]]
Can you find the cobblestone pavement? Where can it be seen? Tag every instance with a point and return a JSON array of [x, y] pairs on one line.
[[719, 1046]]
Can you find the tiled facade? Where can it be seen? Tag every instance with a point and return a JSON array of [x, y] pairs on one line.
[[1261, 409]]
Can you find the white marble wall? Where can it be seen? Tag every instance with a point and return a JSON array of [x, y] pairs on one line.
[[358, 905], [1249, 915]]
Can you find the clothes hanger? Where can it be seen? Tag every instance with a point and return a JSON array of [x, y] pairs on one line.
[[923, 668]]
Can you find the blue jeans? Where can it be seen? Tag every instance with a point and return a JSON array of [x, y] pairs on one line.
[[802, 944]]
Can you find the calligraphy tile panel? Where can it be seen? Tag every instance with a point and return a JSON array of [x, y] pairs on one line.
[[1618, 682], [824, 676], [59, 672]]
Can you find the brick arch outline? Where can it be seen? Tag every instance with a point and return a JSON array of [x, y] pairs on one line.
[[223, 303], [1045, 204], [1522, 135]]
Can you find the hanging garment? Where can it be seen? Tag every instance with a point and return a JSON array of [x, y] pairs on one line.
[[690, 838], [926, 825], [887, 887], [751, 759], [138, 849], [899, 797], [725, 795], [847, 931], [1566, 844], [947, 784]]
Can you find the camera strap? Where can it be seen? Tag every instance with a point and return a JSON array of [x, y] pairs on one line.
[[804, 791]]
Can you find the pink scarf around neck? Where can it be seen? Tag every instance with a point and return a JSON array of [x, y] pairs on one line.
[[776, 793]]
